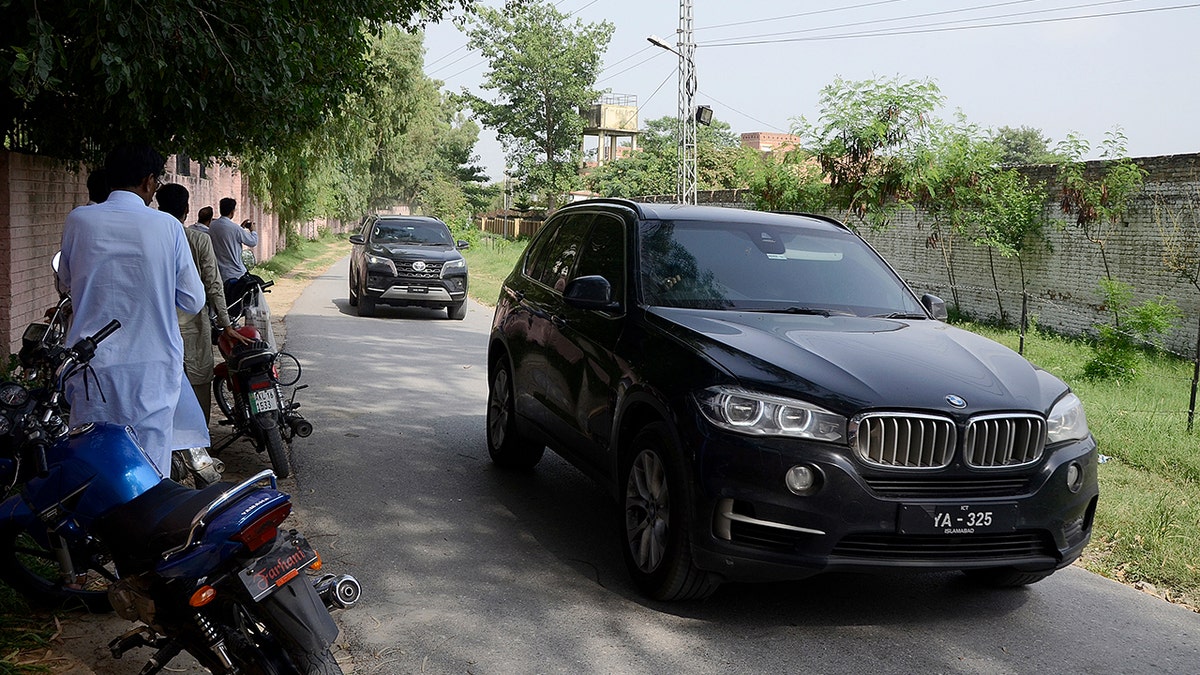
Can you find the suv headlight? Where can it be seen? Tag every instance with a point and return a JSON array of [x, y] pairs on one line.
[[452, 266], [382, 262], [1066, 421], [748, 412]]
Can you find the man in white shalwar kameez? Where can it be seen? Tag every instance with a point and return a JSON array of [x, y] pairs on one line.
[[123, 260]]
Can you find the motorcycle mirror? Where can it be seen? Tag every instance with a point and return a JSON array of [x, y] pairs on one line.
[[54, 261]]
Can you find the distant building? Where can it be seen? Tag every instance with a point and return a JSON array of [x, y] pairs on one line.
[[770, 142]]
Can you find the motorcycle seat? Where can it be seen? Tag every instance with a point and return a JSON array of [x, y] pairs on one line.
[[257, 354], [139, 531]]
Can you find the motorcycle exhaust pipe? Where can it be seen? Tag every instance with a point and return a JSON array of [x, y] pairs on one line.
[[338, 591], [300, 427]]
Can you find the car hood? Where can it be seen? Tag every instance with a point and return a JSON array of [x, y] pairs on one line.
[[439, 253], [850, 364]]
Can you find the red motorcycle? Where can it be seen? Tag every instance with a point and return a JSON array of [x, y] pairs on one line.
[[249, 385]]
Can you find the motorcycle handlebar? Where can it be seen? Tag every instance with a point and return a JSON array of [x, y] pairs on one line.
[[267, 284], [108, 329]]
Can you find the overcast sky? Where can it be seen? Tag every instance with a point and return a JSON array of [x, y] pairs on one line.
[[1131, 63]]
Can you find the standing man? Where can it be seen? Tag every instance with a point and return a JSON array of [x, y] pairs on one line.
[[228, 238], [203, 219], [197, 332], [123, 260]]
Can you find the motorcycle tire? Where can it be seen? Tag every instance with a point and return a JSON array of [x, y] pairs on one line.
[[278, 450], [32, 569], [224, 397]]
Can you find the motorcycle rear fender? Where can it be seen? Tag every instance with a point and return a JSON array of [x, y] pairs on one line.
[[216, 545], [299, 616]]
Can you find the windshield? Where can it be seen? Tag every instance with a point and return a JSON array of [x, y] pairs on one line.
[[417, 233], [743, 266]]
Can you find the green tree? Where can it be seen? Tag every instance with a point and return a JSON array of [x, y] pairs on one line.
[[207, 77], [1099, 198], [867, 139], [542, 70], [1023, 146], [946, 183], [1011, 220], [791, 181]]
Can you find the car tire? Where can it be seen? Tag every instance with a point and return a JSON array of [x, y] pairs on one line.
[[366, 306], [457, 311], [353, 292], [507, 447], [656, 520], [1005, 577]]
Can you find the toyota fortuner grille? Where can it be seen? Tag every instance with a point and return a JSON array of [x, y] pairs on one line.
[[429, 270]]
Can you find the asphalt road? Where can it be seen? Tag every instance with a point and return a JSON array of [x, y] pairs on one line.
[[466, 568]]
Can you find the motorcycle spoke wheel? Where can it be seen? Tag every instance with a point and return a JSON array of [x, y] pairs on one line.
[[33, 570], [225, 399], [278, 450]]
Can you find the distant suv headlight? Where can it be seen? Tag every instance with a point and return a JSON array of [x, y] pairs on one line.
[[748, 412], [383, 262], [1066, 421], [451, 266]]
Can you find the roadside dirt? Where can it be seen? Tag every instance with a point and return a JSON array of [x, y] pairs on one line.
[[80, 645]]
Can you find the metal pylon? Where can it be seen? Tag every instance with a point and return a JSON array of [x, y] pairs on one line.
[[686, 171]]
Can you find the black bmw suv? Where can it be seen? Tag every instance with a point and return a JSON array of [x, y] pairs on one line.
[[407, 260], [766, 399]]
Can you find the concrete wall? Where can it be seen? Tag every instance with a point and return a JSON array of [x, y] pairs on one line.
[[37, 193]]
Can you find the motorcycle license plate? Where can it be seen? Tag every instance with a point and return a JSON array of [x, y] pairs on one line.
[[956, 519], [263, 400], [277, 568]]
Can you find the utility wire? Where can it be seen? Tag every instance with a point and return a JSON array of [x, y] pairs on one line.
[[919, 31], [794, 16], [746, 115], [660, 86], [615, 63], [639, 63]]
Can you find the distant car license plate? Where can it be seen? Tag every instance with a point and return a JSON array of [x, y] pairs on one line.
[[954, 519], [263, 400], [277, 568], [418, 289]]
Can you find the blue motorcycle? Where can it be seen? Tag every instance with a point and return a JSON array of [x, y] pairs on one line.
[[211, 572]]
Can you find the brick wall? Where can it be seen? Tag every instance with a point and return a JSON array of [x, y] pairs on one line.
[[37, 193]]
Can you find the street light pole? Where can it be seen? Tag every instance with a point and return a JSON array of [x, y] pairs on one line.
[[685, 172]]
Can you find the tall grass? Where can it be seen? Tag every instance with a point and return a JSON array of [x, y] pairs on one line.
[[489, 261]]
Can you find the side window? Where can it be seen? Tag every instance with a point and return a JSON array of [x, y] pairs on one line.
[[556, 259], [604, 254], [368, 221]]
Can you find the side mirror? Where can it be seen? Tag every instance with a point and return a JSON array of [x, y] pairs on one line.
[[462, 244], [590, 292], [935, 306], [357, 239], [54, 261]]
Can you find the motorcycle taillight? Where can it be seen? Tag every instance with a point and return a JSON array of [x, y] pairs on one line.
[[262, 531]]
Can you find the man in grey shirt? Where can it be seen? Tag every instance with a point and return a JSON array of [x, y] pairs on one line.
[[228, 238]]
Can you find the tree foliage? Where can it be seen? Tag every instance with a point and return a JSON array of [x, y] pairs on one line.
[[1023, 146], [210, 78], [791, 181], [867, 138], [542, 70]]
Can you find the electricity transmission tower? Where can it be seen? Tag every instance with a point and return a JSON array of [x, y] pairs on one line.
[[686, 171]]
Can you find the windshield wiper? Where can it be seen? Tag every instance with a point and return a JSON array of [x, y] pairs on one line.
[[811, 311], [902, 315]]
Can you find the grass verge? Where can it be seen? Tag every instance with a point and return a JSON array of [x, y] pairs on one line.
[[490, 260]]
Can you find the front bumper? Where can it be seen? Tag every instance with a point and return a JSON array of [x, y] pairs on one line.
[[750, 526], [396, 290]]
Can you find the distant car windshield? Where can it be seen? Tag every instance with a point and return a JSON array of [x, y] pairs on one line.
[[433, 234], [743, 266]]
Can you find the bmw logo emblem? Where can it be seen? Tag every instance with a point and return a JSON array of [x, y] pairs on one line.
[[419, 266], [956, 401]]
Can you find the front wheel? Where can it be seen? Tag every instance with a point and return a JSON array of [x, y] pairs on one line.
[[353, 292], [224, 397], [656, 521], [278, 450], [506, 446], [31, 568], [457, 311]]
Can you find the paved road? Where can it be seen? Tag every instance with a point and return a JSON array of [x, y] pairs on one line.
[[470, 569]]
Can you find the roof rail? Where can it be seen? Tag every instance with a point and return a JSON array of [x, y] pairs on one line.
[[817, 216]]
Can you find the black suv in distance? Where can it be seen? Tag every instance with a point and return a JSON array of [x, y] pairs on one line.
[[766, 399], [407, 260]]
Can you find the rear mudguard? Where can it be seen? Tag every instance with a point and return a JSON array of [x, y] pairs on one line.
[[298, 616], [216, 544]]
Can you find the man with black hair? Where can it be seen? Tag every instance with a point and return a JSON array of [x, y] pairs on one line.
[[197, 333], [97, 186], [228, 238], [123, 260]]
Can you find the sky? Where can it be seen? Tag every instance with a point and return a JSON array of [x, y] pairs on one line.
[[1062, 66]]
